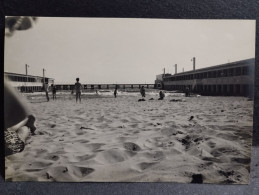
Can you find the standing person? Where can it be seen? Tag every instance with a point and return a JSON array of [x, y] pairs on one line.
[[187, 91], [54, 90], [78, 88], [46, 89], [142, 92], [115, 92]]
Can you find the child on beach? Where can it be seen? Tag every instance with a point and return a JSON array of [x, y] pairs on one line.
[[78, 88], [142, 92], [54, 90]]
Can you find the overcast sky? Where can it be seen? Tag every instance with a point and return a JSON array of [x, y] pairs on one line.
[[106, 50]]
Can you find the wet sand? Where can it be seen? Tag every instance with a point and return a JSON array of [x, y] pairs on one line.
[[123, 140]]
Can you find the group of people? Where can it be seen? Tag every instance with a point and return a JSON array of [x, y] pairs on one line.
[[78, 89], [142, 92], [53, 90]]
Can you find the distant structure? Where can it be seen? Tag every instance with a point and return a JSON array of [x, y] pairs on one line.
[[27, 83], [89, 87], [159, 84], [235, 78]]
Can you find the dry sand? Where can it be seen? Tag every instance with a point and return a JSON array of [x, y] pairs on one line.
[[123, 140]]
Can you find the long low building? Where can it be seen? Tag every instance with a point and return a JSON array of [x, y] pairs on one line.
[[236, 78], [27, 83]]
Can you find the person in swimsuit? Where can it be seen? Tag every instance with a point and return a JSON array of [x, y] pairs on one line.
[[142, 91], [115, 92], [78, 88], [46, 89], [54, 90]]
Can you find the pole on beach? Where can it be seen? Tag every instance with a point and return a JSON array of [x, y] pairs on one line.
[[44, 77], [193, 60], [26, 72]]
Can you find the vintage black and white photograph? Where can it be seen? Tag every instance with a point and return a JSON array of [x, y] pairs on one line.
[[128, 100]]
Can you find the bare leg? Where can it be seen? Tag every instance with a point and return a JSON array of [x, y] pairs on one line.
[[47, 96]]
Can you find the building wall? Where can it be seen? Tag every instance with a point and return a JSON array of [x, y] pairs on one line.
[[235, 79], [26, 83]]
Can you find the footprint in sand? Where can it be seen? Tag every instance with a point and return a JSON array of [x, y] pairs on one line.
[[131, 146], [146, 165], [241, 160], [85, 157], [217, 152], [54, 157], [156, 155], [95, 146], [211, 144], [82, 171], [111, 156]]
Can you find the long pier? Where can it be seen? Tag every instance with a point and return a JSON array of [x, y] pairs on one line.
[[105, 86]]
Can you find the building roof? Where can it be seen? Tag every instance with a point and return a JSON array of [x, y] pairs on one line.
[[24, 75], [219, 67]]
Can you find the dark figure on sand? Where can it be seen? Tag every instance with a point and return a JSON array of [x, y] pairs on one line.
[[18, 121], [187, 91], [161, 95], [142, 92], [115, 92], [54, 90], [78, 88], [46, 89]]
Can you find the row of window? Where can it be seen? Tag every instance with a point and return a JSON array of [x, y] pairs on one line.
[[25, 79], [21, 79], [212, 74]]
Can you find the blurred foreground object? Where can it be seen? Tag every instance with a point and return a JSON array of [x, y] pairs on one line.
[[18, 122], [14, 23]]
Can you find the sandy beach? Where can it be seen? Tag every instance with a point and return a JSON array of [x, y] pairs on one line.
[[107, 139]]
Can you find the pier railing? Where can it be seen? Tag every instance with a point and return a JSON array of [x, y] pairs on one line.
[[105, 86]]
